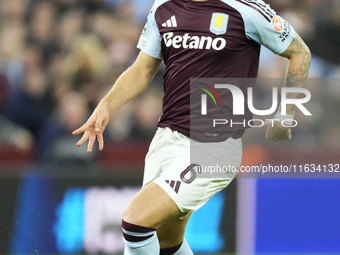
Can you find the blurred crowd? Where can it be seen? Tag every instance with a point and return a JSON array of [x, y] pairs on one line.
[[59, 57]]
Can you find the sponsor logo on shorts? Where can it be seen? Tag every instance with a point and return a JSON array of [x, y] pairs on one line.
[[175, 185]]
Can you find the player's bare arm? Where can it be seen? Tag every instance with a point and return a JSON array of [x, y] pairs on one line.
[[129, 85], [299, 58]]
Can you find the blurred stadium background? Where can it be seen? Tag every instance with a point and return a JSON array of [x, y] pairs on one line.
[[59, 57]]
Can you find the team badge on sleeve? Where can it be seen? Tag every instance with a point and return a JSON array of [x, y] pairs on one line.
[[277, 24], [219, 23]]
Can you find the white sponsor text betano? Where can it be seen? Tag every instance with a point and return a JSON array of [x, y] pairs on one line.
[[194, 42]]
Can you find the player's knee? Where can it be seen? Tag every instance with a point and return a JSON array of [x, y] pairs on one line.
[[133, 217]]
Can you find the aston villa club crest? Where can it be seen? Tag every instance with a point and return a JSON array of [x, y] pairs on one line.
[[219, 23]]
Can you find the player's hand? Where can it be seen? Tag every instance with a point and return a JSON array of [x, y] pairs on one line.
[[93, 128], [277, 132]]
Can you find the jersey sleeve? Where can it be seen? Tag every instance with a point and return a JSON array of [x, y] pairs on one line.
[[150, 39], [268, 29]]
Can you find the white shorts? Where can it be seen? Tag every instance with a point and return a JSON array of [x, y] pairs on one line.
[[169, 157]]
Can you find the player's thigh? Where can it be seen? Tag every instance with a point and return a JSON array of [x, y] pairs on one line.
[[171, 233], [151, 207]]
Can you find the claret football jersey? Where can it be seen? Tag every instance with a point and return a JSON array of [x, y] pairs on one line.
[[207, 39]]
